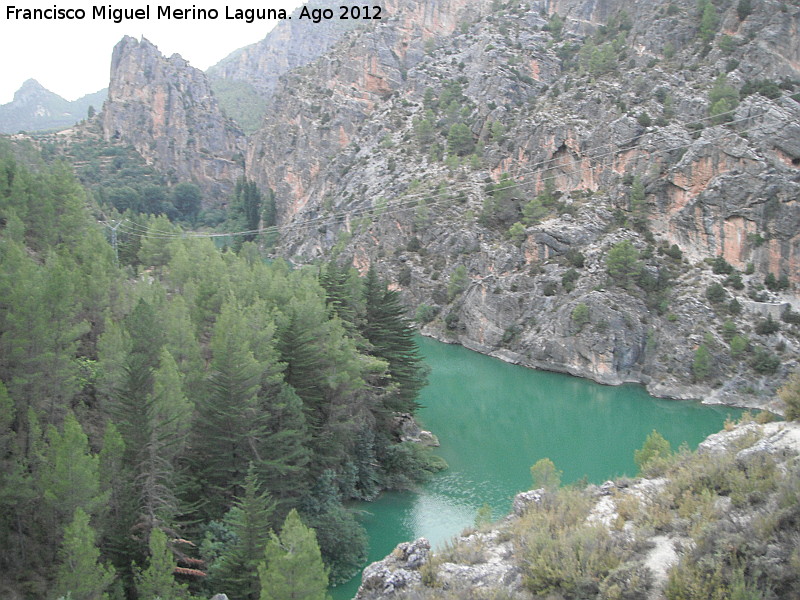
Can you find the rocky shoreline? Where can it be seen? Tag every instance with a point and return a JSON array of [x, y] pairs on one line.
[[486, 562]]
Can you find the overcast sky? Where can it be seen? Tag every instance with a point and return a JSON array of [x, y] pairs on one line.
[[72, 58]]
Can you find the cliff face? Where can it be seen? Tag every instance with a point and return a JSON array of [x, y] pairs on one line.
[[491, 159], [166, 110], [318, 112], [292, 43], [385, 149]]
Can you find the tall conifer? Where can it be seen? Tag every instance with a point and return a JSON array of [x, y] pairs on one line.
[[292, 567]]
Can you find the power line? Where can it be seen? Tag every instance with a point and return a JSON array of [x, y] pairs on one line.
[[131, 228]]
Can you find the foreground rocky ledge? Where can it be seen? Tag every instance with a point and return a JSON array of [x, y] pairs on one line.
[[660, 520]]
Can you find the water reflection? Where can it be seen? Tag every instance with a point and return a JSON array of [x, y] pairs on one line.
[[495, 420]]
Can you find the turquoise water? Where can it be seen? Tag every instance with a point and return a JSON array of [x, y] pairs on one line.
[[495, 420]]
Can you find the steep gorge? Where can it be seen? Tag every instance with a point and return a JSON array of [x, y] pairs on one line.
[[419, 143]]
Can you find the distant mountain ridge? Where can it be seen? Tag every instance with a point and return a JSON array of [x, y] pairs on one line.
[[35, 108]]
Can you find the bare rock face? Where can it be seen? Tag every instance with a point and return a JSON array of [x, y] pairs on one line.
[[166, 110], [319, 111], [355, 171], [395, 573], [291, 44]]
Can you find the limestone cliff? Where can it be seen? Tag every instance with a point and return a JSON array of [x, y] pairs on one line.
[[420, 145], [490, 158], [165, 108], [292, 43]]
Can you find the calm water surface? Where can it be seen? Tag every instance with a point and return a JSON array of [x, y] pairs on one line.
[[495, 420]]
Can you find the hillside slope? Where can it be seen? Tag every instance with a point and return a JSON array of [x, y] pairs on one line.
[[489, 158], [35, 108], [604, 188]]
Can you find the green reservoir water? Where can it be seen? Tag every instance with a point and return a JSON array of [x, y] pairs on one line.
[[495, 420]]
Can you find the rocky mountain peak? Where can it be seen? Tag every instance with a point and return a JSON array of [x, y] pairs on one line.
[[165, 108], [29, 89], [36, 108]]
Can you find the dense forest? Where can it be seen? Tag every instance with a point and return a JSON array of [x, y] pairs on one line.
[[166, 405]]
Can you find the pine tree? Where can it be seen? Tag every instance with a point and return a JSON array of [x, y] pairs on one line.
[[622, 263], [301, 349], [292, 567], [230, 423], [157, 581], [250, 524], [69, 476], [80, 574], [168, 414], [392, 339], [152, 415], [119, 518], [341, 292], [285, 455], [638, 206]]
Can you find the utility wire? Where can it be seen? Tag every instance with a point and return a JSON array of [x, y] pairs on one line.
[[132, 228]]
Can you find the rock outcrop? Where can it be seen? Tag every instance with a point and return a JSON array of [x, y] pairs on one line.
[[639, 515], [292, 43], [165, 108], [489, 158]]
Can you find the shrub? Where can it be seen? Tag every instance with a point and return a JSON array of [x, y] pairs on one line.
[[701, 364], [739, 345], [715, 293], [674, 252], [765, 362], [790, 394], [569, 278], [545, 475], [789, 316], [517, 233], [425, 313], [653, 454], [734, 280], [744, 9], [720, 266], [728, 330], [580, 315], [576, 258], [458, 282], [767, 326]]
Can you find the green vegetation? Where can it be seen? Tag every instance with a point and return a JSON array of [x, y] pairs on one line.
[[458, 282], [744, 9], [241, 102], [580, 315], [723, 99], [790, 394], [653, 454], [183, 392], [545, 475], [622, 263], [293, 567], [701, 364]]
